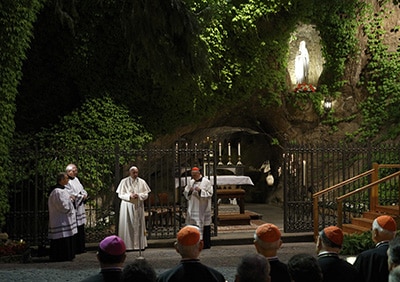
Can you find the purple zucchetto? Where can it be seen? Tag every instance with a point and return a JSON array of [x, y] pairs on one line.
[[113, 245]]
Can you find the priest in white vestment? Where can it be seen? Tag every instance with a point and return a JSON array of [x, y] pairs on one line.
[[133, 191], [198, 192]]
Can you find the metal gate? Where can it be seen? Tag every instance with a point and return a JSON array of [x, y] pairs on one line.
[[33, 171], [311, 168]]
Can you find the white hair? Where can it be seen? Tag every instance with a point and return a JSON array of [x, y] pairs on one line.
[[394, 275], [70, 167]]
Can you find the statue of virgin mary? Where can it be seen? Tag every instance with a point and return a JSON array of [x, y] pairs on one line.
[[301, 63]]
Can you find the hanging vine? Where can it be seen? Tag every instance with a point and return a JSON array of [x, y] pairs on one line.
[[381, 80], [16, 21]]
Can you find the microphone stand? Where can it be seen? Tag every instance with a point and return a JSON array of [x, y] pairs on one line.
[[140, 226]]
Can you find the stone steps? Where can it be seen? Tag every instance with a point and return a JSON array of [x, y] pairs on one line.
[[235, 218]]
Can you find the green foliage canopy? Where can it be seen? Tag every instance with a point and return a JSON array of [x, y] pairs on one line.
[[94, 130], [247, 43]]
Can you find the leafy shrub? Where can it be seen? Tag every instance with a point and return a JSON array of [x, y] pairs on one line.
[[353, 244], [87, 137]]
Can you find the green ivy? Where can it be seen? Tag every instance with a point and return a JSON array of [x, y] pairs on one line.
[[99, 125], [16, 21], [381, 80], [247, 44], [337, 23]]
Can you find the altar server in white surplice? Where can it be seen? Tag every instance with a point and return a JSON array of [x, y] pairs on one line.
[[79, 194], [62, 221], [133, 191], [198, 193]]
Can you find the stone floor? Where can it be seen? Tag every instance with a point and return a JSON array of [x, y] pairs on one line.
[[220, 257], [228, 246]]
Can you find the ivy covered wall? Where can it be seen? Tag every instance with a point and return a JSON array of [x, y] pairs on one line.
[[16, 21], [211, 63]]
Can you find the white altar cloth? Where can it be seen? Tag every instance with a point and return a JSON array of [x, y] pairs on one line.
[[222, 180]]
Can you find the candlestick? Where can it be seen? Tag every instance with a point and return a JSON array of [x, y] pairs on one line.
[[195, 154], [239, 161], [220, 154], [229, 154], [304, 173]]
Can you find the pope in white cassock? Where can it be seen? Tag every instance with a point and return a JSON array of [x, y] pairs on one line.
[[133, 191], [199, 192]]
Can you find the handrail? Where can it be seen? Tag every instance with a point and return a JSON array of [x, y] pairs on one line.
[[368, 172], [373, 172], [319, 193], [340, 199], [390, 176], [389, 165]]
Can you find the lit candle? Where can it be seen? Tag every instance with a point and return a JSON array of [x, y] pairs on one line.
[[229, 149], [304, 173], [220, 148], [239, 149]]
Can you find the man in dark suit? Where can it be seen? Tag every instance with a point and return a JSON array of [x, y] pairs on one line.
[[267, 240], [189, 245], [329, 244], [373, 264]]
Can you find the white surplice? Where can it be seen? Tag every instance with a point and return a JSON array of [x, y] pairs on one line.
[[75, 188], [199, 204]]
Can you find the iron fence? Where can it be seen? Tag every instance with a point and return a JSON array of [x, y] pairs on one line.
[[306, 169], [33, 171], [312, 168]]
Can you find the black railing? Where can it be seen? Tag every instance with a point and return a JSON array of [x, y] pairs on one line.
[[32, 175]]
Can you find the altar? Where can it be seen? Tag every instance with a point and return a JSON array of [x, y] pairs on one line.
[[223, 181], [228, 187]]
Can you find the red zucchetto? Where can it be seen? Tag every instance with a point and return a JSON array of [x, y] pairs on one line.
[[387, 222], [188, 236], [268, 233]]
